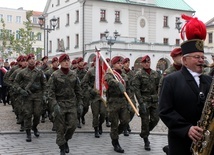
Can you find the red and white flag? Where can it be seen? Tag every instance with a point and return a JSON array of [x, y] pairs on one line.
[[100, 71], [3, 69]]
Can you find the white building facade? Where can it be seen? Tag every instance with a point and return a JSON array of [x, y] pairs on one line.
[[146, 27]]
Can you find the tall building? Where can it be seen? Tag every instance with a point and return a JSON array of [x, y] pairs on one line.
[[14, 19]]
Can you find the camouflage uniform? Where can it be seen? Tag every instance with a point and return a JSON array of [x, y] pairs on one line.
[[86, 100], [48, 74], [6, 80], [64, 94], [130, 75], [146, 87], [97, 104], [17, 99], [33, 82], [118, 106], [169, 70], [44, 68]]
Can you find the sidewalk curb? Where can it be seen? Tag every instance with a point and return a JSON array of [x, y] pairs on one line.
[[88, 131]]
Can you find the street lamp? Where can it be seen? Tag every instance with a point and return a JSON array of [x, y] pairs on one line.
[[111, 40], [53, 23], [178, 25]]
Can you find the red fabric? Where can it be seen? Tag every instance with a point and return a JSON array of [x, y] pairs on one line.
[[19, 58], [145, 58], [73, 62], [45, 57], [4, 70], [125, 60], [80, 59], [116, 60], [54, 59], [65, 70], [193, 29], [30, 56], [63, 57], [175, 52]]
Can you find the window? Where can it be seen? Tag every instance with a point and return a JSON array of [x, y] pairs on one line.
[[77, 16], [39, 37], [58, 23], [142, 39], [117, 16], [50, 46], [68, 43], [102, 35], [77, 41], [58, 3], [35, 20], [58, 45], [31, 35], [18, 19], [1, 16], [17, 35], [177, 41], [210, 37], [9, 18], [68, 19], [165, 21], [177, 19], [165, 41], [102, 15]]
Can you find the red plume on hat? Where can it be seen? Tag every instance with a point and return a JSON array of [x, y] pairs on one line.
[[193, 29]]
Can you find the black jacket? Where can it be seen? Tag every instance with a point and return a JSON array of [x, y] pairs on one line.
[[180, 107]]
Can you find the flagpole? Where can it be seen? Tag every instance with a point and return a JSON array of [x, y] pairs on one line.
[[126, 95]]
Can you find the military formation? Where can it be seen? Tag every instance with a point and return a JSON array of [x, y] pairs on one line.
[[63, 90]]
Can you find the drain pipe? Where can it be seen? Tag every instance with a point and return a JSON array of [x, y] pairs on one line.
[[83, 28]]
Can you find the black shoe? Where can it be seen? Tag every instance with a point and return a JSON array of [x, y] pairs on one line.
[[83, 120], [62, 150], [22, 127], [125, 132], [128, 128], [35, 131], [117, 146], [147, 144], [54, 127], [96, 132], [100, 129], [166, 149], [66, 148], [43, 120], [28, 139]]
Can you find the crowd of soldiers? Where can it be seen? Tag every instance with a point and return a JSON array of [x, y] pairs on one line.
[[65, 89]]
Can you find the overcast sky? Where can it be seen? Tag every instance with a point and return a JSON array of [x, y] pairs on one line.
[[202, 7]]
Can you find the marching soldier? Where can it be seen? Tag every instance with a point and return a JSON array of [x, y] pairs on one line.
[[117, 103], [145, 83], [31, 84], [44, 67], [81, 71], [97, 105], [18, 99], [55, 64], [130, 74], [64, 95]]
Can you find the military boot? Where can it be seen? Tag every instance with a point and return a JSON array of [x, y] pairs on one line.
[[66, 148], [117, 146], [96, 132], [43, 118], [79, 123], [62, 149], [128, 128], [83, 120], [107, 122], [28, 139], [147, 144], [100, 129], [35, 131], [125, 132], [22, 127]]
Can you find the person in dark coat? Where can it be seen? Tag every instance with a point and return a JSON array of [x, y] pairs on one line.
[[183, 93]]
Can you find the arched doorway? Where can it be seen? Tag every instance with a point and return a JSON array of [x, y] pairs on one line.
[[162, 65]]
